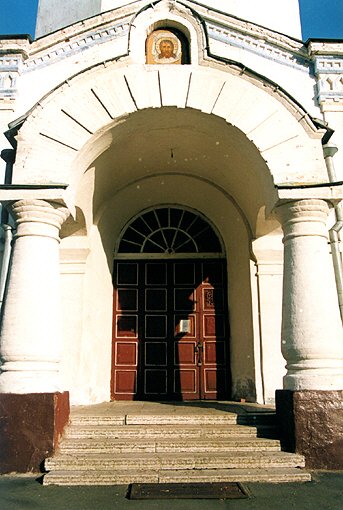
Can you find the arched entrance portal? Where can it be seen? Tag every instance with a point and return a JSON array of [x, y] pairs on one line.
[[170, 326]]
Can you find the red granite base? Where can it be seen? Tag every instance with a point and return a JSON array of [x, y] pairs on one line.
[[311, 423], [30, 428]]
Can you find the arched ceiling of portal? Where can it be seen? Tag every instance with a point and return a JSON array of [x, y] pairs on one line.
[[172, 141]]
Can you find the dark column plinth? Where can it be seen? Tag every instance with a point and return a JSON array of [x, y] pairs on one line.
[[311, 423], [30, 428]]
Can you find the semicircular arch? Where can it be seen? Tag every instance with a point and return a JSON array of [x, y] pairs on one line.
[[77, 122]]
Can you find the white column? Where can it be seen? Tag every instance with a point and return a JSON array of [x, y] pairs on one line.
[[312, 337], [30, 338]]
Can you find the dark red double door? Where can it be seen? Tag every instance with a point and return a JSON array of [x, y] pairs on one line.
[[170, 331]]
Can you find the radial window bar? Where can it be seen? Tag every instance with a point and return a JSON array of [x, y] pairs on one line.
[[169, 230]]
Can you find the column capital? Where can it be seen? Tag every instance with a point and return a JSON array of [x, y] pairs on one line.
[[306, 217], [38, 217], [308, 208]]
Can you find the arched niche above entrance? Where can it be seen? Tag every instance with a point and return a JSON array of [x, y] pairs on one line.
[[175, 18]]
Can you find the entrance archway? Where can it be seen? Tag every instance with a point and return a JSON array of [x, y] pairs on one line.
[[141, 142], [170, 321]]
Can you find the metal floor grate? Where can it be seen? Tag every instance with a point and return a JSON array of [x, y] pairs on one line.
[[217, 490]]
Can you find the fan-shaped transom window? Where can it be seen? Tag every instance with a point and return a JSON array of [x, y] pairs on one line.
[[169, 230]]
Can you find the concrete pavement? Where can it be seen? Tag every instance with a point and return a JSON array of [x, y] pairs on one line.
[[325, 492]]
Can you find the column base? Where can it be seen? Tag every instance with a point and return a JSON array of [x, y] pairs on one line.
[[30, 429], [311, 423]]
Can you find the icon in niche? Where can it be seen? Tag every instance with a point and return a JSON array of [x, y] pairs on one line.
[[163, 47], [166, 49]]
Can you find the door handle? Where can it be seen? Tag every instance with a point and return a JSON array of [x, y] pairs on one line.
[[198, 347]]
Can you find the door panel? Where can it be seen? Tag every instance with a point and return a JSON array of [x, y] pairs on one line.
[[125, 384], [170, 337]]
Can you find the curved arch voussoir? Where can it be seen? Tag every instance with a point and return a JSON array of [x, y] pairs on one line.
[[64, 124]]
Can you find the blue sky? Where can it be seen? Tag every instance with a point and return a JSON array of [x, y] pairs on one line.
[[320, 18]]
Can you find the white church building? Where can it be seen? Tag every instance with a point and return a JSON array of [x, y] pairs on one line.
[[171, 215]]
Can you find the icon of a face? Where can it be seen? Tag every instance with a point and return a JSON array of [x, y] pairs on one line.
[[166, 49]]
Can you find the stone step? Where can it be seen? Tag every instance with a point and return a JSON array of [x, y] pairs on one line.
[[155, 419], [209, 446], [274, 475], [166, 431], [174, 419], [84, 419], [154, 461], [168, 445]]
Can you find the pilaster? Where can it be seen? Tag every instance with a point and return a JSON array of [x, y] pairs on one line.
[[14, 51], [268, 274], [328, 67]]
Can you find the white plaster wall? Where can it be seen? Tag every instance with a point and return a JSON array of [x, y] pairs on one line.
[[72, 299], [88, 369], [73, 255], [268, 279], [292, 77]]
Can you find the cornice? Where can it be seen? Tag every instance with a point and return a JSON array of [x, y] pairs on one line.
[[329, 48], [15, 45], [259, 31], [75, 45], [260, 45], [107, 27]]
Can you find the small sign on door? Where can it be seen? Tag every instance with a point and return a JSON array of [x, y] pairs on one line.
[[185, 326]]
